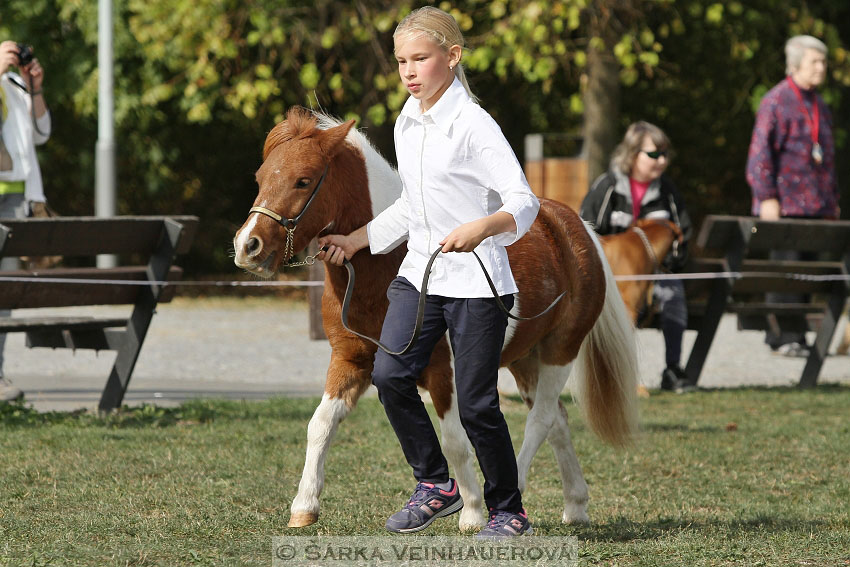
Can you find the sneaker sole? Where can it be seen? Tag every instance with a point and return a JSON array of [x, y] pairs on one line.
[[441, 514], [528, 532]]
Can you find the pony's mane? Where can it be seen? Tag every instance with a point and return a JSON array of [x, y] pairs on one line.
[[384, 182], [299, 123]]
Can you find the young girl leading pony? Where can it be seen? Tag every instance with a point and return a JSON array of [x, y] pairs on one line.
[[463, 190]]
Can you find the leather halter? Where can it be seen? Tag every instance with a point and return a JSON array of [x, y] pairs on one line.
[[289, 225]]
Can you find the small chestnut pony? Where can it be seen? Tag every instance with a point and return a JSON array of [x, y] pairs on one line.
[[588, 329], [638, 251]]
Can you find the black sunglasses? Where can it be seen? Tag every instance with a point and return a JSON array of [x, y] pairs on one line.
[[655, 154]]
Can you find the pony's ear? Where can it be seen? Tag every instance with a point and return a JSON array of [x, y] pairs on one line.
[[331, 140]]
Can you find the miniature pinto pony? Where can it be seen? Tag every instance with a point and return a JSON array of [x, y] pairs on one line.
[[321, 176]]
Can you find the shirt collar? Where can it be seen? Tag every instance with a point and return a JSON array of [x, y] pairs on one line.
[[444, 112]]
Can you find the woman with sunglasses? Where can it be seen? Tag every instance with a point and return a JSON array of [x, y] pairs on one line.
[[635, 187]]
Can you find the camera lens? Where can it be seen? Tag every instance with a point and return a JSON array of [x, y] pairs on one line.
[[24, 54]]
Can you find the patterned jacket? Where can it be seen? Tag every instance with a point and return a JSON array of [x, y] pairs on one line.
[[780, 163]]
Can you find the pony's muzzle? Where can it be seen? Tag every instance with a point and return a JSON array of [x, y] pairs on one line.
[[248, 250]]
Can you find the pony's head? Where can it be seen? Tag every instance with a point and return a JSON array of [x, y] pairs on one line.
[[311, 182]]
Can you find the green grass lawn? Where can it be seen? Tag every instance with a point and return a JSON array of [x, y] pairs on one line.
[[732, 477]]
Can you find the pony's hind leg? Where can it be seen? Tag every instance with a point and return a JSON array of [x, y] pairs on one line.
[[540, 386], [572, 479], [345, 384]]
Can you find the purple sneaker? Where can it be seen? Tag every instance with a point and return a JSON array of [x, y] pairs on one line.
[[426, 505], [503, 525]]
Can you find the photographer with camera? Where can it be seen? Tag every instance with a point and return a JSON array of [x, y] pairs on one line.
[[24, 123]]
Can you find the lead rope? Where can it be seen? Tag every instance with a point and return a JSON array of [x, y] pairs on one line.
[[649, 251], [420, 310]]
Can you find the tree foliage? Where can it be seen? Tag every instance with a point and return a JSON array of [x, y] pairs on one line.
[[199, 83]]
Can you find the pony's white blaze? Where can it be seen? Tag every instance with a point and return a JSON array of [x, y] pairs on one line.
[[241, 241], [384, 181], [320, 432]]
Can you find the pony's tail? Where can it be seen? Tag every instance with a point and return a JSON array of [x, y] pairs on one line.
[[606, 368]]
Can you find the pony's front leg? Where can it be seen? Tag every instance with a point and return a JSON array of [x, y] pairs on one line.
[[346, 382], [458, 452], [438, 379]]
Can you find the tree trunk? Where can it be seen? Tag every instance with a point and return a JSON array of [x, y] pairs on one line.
[[601, 110]]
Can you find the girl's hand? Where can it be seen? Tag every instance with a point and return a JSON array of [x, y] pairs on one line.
[[338, 249], [465, 238], [342, 247]]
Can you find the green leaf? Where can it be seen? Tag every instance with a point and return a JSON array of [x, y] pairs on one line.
[[714, 13], [309, 76], [377, 114]]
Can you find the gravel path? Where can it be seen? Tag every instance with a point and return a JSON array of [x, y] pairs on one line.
[[255, 348]]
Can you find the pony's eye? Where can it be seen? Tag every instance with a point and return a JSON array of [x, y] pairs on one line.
[[303, 182]]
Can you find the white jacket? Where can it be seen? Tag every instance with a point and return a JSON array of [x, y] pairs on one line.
[[21, 138]]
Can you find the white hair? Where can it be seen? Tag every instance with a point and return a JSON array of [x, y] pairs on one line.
[[796, 47]]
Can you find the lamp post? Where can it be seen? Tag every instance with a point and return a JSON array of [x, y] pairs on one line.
[[105, 202]]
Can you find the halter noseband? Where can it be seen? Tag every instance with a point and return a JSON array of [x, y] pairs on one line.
[[289, 225]]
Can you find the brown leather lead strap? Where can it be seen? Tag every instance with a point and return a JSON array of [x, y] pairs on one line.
[[420, 313]]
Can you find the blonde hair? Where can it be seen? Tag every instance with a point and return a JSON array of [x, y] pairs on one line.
[[626, 152], [796, 47], [442, 29]]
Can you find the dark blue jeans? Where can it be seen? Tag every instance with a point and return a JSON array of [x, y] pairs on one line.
[[476, 331], [669, 298]]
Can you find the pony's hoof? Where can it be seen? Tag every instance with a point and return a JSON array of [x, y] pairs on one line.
[[470, 523], [574, 517], [642, 392], [302, 519]]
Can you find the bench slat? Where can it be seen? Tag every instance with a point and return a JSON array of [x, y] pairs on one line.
[[718, 232], [22, 295], [89, 236], [21, 324]]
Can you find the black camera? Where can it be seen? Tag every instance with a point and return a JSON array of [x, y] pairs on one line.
[[24, 55]]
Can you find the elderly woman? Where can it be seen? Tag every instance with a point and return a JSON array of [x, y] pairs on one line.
[[791, 163], [635, 187]]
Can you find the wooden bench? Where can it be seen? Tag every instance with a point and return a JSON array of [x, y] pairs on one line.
[[742, 245], [148, 245]]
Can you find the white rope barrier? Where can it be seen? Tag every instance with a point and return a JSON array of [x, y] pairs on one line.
[[316, 283], [276, 283]]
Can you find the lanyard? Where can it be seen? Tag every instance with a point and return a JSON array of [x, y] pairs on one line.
[[814, 124]]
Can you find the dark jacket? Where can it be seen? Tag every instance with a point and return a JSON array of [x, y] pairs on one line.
[[608, 208]]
